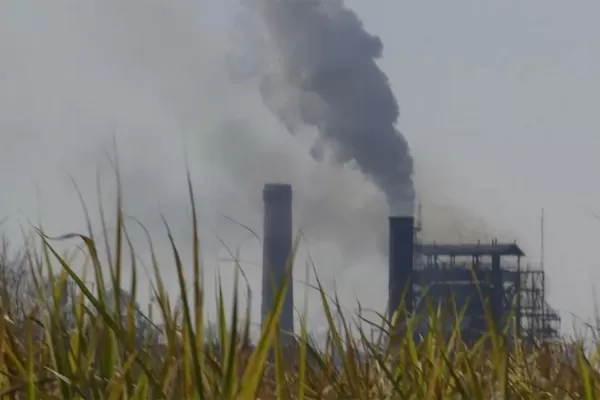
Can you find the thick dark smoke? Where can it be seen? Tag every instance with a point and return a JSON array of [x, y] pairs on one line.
[[327, 77]]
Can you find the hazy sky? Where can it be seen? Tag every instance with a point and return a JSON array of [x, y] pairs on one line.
[[497, 101]]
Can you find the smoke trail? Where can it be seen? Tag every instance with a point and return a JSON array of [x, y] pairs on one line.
[[326, 58]]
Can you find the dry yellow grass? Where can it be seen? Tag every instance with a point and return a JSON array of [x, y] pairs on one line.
[[93, 352]]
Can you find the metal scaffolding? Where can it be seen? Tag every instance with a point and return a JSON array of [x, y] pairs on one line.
[[480, 277]]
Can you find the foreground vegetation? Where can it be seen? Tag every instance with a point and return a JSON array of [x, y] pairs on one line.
[[63, 339]]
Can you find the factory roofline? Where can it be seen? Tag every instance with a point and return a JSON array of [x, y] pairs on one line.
[[497, 249]]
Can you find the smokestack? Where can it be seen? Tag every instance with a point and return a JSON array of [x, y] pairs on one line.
[[401, 258], [277, 247]]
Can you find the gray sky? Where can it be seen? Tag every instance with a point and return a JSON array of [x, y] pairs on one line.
[[496, 101]]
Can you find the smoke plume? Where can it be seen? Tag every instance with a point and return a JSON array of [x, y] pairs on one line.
[[326, 76]]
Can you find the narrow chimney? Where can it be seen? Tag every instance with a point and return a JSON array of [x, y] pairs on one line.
[[277, 247], [401, 258]]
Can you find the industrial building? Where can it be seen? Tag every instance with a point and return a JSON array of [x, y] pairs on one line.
[[478, 279]]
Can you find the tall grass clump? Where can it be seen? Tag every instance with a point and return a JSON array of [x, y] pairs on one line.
[[63, 339]]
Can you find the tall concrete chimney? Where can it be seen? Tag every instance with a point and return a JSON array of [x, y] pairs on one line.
[[401, 258], [277, 248]]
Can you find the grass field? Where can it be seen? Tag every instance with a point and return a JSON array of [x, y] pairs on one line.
[[60, 339]]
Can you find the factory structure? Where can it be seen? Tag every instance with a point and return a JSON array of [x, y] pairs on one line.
[[480, 281]]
